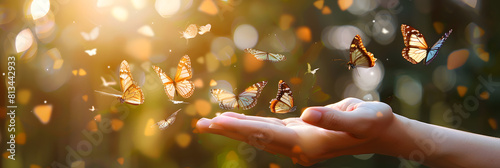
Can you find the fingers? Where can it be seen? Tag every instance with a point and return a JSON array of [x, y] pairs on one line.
[[260, 135], [264, 131], [333, 119], [346, 104], [255, 118]]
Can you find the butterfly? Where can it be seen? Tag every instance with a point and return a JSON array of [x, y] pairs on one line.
[[181, 82], [283, 103], [204, 29], [92, 35], [132, 93], [191, 32], [91, 52], [245, 100], [311, 71], [164, 124], [359, 56], [265, 56], [416, 48]]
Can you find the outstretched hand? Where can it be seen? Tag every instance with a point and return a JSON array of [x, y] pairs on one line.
[[348, 127]]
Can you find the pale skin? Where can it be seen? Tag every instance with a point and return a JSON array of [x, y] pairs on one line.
[[352, 127]]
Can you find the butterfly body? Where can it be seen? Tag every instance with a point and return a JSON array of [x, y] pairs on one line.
[[181, 83], [358, 56], [265, 56], [416, 48], [246, 100], [283, 103], [132, 93]]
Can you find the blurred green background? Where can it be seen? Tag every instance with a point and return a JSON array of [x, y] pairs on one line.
[[59, 114]]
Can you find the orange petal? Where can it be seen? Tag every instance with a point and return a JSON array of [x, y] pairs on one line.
[[344, 4], [493, 123], [43, 112], [461, 90], [457, 58], [120, 160], [116, 124]]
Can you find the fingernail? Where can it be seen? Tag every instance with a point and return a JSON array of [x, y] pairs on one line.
[[311, 116], [215, 126], [203, 122]]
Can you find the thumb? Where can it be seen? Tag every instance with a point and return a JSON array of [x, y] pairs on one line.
[[332, 119]]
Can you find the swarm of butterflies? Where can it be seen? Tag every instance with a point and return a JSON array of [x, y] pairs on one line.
[[415, 50]]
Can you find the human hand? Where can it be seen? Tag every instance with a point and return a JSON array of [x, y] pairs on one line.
[[348, 127]]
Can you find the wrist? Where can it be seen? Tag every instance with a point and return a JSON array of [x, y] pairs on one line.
[[396, 140]]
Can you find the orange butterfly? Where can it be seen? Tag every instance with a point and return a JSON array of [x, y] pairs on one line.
[[182, 84], [284, 99], [246, 100], [359, 56], [132, 93]]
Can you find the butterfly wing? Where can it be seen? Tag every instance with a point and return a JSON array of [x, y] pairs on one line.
[[435, 48], [265, 56], [164, 124], [132, 93], [358, 54], [191, 31], [283, 103], [248, 98], [168, 83], [184, 86], [415, 46], [204, 29], [227, 100]]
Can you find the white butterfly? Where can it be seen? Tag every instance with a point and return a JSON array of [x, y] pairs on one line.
[[92, 35], [92, 109], [190, 32], [91, 52], [204, 29], [106, 83], [309, 69]]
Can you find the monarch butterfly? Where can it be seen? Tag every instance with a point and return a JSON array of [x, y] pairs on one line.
[[416, 48], [359, 56], [265, 56], [132, 93], [164, 124], [245, 100], [284, 99], [182, 84]]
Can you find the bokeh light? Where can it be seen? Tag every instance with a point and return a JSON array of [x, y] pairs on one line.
[[66, 50], [409, 90], [167, 8], [443, 78], [245, 36], [368, 78]]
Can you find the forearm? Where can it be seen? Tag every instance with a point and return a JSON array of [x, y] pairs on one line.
[[438, 146]]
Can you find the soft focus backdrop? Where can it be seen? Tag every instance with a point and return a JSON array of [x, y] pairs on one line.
[[67, 49]]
